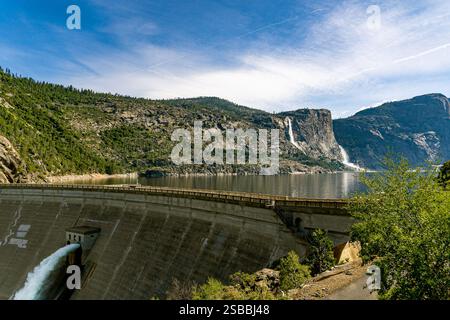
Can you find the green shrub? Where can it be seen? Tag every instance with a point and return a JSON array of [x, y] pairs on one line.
[[404, 225], [292, 273], [444, 175], [213, 289], [243, 280], [250, 288], [243, 286], [320, 257]]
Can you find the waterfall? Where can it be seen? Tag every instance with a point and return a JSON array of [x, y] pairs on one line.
[[291, 135], [37, 279], [346, 160]]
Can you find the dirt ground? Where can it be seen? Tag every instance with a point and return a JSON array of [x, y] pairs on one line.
[[341, 283]]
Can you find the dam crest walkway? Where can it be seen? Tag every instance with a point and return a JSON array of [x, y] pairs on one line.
[[244, 198]]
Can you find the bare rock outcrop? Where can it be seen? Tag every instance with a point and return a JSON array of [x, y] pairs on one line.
[[311, 132], [12, 168]]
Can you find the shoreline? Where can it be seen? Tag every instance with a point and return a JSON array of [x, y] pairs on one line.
[[90, 176], [136, 175]]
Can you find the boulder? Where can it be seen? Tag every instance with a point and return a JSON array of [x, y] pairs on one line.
[[347, 252], [12, 168]]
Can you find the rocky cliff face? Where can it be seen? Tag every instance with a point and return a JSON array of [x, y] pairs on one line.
[[418, 129], [12, 168], [311, 132], [307, 142]]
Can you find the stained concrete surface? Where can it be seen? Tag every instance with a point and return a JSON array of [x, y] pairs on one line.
[[146, 240]]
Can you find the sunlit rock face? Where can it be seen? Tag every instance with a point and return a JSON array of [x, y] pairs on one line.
[[418, 129], [311, 131], [11, 166]]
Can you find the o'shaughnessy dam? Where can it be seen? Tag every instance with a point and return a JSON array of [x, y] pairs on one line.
[[131, 242]]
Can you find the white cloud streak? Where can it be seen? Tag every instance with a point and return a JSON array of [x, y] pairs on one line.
[[341, 64]]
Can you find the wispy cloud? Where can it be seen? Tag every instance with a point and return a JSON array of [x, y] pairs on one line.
[[329, 58]]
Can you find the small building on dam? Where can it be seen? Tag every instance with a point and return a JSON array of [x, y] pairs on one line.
[[84, 235]]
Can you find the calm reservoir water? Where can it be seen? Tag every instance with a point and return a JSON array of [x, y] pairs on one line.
[[327, 185]]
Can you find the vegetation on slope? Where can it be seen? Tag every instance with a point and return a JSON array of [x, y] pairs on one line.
[[33, 120], [59, 130], [404, 226], [266, 284], [62, 130]]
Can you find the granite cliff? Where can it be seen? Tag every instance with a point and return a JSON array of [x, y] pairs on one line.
[[417, 129], [311, 131], [12, 168]]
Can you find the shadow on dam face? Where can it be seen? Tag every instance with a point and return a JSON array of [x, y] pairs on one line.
[[146, 241]]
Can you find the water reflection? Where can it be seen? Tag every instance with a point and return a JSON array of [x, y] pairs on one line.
[[328, 185]]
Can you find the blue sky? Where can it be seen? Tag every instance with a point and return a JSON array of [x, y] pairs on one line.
[[273, 55]]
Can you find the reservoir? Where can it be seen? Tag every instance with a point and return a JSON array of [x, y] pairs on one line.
[[326, 185]]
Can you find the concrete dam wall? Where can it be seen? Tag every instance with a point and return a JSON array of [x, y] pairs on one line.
[[151, 236]]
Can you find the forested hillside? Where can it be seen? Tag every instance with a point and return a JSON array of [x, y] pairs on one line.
[[62, 130]]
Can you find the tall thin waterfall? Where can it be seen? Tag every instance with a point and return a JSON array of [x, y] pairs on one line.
[[346, 160], [291, 135]]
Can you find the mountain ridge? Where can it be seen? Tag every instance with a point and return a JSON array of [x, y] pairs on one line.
[[417, 129], [59, 130], [62, 130]]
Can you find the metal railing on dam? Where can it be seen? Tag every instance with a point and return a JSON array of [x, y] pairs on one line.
[[245, 198]]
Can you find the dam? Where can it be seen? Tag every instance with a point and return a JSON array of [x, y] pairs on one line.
[[153, 235]]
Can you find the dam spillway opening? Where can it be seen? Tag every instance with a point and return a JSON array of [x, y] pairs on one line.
[[42, 279], [149, 237], [49, 279]]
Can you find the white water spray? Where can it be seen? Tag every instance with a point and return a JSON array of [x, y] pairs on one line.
[[346, 160], [291, 135], [37, 279]]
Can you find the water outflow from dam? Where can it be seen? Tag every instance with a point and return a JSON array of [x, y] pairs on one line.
[[346, 160], [38, 279], [291, 135]]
